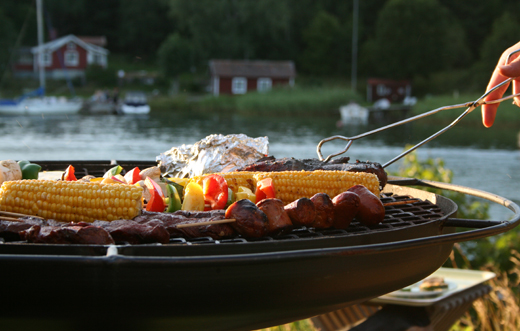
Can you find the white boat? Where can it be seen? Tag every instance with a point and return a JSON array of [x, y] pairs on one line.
[[135, 103], [38, 106], [35, 103], [353, 114]]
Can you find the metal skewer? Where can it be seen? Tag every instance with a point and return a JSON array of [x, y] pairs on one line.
[[470, 107]]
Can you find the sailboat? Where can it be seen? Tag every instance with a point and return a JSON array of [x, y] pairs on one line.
[[35, 102]]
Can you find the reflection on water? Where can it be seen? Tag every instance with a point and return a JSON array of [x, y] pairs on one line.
[[486, 159]]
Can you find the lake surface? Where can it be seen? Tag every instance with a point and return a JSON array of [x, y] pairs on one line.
[[486, 159]]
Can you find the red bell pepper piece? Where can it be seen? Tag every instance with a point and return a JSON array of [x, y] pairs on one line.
[[156, 202], [215, 190], [69, 174], [265, 190], [133, 176]]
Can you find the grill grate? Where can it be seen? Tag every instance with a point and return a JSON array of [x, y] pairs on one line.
[[400, 216]]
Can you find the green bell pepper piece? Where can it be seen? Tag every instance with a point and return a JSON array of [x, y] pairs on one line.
[[231, 198], [113, 171], [23, 163], [30, 171], [174, 199]]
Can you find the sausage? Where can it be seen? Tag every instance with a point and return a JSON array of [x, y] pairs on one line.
[[371, 210], [250, 221], [324, 211], [346, 207], [278, 220], [302, 212]]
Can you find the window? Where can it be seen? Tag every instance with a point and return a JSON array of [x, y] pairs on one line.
[[71, 58], [71, 45], [239, 85], [264, 84], [47, 59]]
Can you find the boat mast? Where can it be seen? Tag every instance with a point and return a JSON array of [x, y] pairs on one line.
[[39, 21]]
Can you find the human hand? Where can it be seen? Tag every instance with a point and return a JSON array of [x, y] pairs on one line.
[[502, 72]]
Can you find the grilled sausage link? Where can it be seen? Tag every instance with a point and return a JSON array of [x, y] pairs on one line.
[[302, 212], [324, 211], [371, 208], [346, 207], [250, 221], [278, 220]]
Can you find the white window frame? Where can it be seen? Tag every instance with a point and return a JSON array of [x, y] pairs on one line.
[[239, 85], [47, 59], [71, 58], [264, 84], [71, 45]]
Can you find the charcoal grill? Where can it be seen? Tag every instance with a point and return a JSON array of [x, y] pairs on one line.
[[239, 284]]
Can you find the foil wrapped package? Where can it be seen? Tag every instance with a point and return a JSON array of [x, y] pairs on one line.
[[215, 153]]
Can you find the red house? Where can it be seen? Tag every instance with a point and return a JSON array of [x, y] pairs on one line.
[[242, 76], [67, 56], [392, 90]]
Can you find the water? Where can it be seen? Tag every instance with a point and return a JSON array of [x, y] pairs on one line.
[[486, 159]]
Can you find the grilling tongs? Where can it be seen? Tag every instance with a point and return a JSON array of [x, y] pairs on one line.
[[470, 107]]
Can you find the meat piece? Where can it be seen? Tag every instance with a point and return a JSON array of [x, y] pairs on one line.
[[135, 233], [278, 220], [346, 207], [250, 221], [284, 164], [10, 230], [67, 234], [302, 212], [171, 220], [324, 211], [371, 208]]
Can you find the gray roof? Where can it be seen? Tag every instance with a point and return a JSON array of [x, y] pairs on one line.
[[244, 68]]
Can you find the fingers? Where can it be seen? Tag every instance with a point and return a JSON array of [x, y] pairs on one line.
[[489, 111], [502, 72]]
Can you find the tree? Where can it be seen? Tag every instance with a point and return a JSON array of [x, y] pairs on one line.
[[7, 42], [503, 35], [142, 27], [323, 38], [176, 55], [414, 37], [230, 29]]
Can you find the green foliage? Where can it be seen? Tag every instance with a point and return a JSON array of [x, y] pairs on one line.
[[175, 56], [503, 35], [415, 37], [142, 27], [97, 75], [323, 38]]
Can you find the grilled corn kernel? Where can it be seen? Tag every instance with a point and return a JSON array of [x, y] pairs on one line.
[[71, 201], [292, 185]]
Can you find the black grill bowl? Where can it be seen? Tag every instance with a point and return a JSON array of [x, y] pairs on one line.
[[234, 286]]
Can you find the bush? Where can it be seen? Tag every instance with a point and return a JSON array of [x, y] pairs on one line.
[[100, 76]]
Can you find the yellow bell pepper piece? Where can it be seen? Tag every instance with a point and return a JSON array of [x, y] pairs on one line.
[[245, 193], [193, 197]]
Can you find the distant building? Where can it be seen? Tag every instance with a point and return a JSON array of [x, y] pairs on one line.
[[391, 90], [242, 76], [67, 56]]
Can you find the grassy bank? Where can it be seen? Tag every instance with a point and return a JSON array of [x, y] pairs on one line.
[[507, 116], [286, 101]]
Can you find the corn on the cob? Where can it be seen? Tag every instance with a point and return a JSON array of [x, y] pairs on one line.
[[292, 185], [71, 201]]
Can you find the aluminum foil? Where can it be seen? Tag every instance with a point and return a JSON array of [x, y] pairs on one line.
[[215, 153]]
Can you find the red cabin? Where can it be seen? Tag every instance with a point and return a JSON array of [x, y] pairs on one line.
[[64, 57], [392, 90], [242, 76]]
